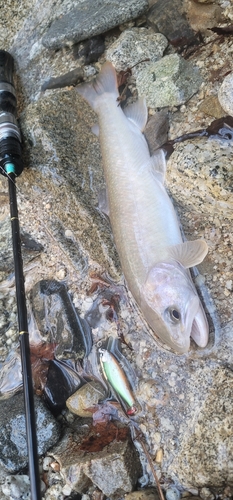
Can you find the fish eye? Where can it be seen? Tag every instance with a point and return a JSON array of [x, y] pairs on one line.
[[173, 314]]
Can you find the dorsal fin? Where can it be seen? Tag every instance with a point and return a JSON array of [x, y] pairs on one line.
[[137, 113], [189, 253]]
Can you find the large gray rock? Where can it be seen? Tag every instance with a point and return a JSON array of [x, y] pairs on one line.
[[171, 81], [133, 46], [205, 461], [114, 469], [13, 445], [91, 18]]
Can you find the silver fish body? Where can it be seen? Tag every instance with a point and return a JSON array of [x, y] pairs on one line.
[[146, 231]]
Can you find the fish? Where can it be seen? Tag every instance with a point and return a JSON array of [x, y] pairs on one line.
[[115, 375], [154, 258]]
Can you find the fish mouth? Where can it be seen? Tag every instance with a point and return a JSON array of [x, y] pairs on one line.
[[196, 326], [200, 328]]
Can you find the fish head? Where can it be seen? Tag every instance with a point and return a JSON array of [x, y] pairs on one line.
[[171, 305]]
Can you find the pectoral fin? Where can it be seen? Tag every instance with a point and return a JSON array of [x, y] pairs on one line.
[[189, 253]]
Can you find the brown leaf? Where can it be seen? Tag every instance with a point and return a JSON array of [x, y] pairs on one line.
[[40, 356], [101, 435], [123, 76], [42, 351]]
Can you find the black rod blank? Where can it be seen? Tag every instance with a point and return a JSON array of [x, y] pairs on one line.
[[24, 344]]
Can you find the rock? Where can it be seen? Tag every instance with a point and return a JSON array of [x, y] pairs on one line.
[[206, 494], [13, 446], [159, 456], [87, 396], [211, 106], [203, 16], [225, 94], [156, 130], [135, 45], [11, 375], [215, 418], [89, 51], [173, 493], [71, 78], [167, 17], [113, 469], [168, 82], [204, 1], [16, 487], [61, 382], [145, 494], [89, 19], [192, 497], [61, 119]]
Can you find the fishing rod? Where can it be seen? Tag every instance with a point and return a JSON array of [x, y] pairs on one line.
[[11, 166]]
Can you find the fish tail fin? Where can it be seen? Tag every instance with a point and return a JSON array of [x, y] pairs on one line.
[[105, 82]]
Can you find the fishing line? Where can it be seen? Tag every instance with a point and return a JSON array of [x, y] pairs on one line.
[[12, 166]]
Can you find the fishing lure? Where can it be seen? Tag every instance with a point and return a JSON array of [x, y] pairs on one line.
[[115, 375]]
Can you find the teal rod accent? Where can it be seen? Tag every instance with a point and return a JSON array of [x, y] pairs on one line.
[[10, 168]]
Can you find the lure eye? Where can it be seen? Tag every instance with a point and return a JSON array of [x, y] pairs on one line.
[[173, 315]]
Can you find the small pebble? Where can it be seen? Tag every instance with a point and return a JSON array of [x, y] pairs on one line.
[[85, 397], [206, 494], [172, 493], [16, 487], [69, 233], [46, 463], [60, 275], [159, 456], [66, 490], [144, 494], [157, 437]]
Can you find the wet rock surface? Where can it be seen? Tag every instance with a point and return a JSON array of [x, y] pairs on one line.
[[54, 314], [13, 445], [185, 406]]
